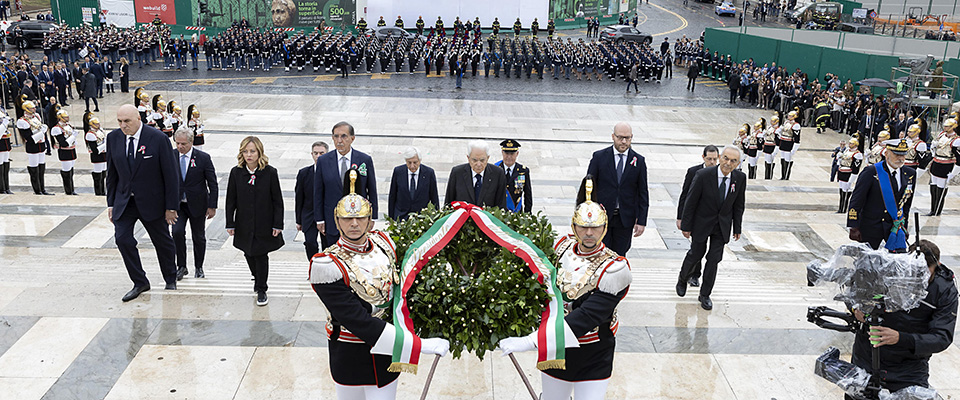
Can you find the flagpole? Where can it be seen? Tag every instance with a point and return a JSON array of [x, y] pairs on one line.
[[533, 393]]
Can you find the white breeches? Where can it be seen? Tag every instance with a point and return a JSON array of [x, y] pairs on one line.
[[67, 165], [787, 155], [34, 160], [940, 182], [199, 147], [556, 389], [367, 392], [752, 161], [99, 167], [768, 158], [845, 186], [4, 156]]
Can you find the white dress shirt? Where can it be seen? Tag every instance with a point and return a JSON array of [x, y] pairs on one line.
[[720, 176], [340, 157]]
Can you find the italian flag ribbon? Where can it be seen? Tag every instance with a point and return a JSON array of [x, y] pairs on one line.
[[552, 333]]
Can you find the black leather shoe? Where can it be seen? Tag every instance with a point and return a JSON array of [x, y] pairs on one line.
[[200, 273], [181, 272], [681, 289], [262, 298], [705, 303], [133, 293], [694, 281], [171, 286]]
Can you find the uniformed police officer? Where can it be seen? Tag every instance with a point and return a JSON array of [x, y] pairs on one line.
[[519, 195]]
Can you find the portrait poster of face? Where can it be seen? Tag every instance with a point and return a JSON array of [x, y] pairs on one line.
[[278, 13]]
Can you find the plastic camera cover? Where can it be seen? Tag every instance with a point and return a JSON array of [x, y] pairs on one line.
[[911, 393], [861, 275], [851, 378]]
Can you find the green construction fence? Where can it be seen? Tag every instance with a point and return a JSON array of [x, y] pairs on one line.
[[815, 61]]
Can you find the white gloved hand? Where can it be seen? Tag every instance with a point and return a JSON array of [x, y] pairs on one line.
[[518, 344], [436, 346]]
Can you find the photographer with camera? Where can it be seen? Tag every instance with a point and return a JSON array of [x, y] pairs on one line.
[[907, 339]]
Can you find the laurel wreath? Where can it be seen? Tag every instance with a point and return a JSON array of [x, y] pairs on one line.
[[474, 292]]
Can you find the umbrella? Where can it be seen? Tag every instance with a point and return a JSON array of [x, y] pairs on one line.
[[876, 82]]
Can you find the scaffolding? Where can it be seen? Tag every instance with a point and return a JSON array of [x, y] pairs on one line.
[[915, 92]]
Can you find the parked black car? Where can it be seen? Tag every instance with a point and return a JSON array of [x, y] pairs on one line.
[[621, 33], [33, 31]]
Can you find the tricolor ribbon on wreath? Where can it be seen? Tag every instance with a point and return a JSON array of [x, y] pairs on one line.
[[553, 333]]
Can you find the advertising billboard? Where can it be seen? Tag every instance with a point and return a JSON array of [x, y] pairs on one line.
[[279, 13], [146, 10]]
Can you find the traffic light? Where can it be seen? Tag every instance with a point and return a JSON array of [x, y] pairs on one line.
[[203, 7]]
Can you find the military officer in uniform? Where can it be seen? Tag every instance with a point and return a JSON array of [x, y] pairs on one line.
[[519, 194], [880, 204], [354, 279], [593, 280]]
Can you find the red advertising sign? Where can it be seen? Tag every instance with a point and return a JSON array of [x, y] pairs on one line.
[[146, 10]]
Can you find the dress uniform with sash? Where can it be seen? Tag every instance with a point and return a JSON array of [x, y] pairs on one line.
[[354, 279], [5, 147], [592, 281], [880, 205], [519, 193]]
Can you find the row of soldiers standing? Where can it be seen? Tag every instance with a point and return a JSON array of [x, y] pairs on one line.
[[463, 27]]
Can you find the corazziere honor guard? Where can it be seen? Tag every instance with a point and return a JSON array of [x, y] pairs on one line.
[[593, 280], [945, 150], [197, 125], [354, 279], [66, 139], [96, 140], [33, 132]]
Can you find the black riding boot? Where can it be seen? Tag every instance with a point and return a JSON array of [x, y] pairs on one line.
[[934, 200], [789, 169], [768, 170], [843, 196], [6, 177], [783, 169], [943, 200], [103, 183], [751, 172], [34, 179], [68, 187], [41, 170], [96, 183]]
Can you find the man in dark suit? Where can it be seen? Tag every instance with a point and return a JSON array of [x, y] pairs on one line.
[[142, 185], [198, 201], [875, 205], [477, 182], [620, 176], [98, 73], [519, 192], [866, 128], [328, 180], [711, 155], [714, 206], [61, 80], [412, 187], [303, 203], [692, 75]]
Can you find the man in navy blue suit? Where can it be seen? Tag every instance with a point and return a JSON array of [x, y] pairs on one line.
[[303, 206], [198, 200], [620, 176], [328, 180], [142, 185], [412, 187]]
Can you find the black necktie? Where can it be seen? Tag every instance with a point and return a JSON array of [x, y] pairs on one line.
[[413, 185], [476, 188], [130, 152], [723, 189], [619, 166]]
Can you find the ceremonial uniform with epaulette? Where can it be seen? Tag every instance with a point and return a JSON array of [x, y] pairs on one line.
[[593, 280], [355, 278]]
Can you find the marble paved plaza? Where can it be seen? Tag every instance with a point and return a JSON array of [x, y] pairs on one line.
[[65, 334]]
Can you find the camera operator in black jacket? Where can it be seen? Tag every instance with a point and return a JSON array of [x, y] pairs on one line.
[[907, 339]]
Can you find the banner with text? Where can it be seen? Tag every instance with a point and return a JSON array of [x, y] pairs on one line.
[[279, 13], [566, 9], [147, 10], [119, 12]]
